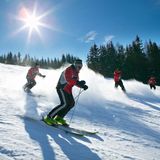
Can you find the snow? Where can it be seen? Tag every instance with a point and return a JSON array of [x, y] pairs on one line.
[[128, 124]]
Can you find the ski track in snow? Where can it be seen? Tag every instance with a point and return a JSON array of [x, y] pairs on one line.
[[128, 124]]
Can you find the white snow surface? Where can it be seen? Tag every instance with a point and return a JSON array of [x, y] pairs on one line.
[[128, 124]]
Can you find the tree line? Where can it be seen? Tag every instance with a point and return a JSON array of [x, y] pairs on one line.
[[137, 60], [27, 60]]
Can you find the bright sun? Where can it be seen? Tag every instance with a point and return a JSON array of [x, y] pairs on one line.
[[31, 21]]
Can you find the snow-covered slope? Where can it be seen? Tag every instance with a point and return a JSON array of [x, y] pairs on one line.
[[128, 124]]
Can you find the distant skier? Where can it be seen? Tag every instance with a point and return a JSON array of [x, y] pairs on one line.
[[32, 73], [69, 78], [118, 80], [152, 82]]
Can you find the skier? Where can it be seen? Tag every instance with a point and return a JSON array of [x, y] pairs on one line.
[[152, 82], [32, 73], [118, 80], [69, 78]]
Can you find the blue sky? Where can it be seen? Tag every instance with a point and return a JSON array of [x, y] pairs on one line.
[[73, 26]]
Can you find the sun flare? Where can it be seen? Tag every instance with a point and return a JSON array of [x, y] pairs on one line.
[[32, 22]]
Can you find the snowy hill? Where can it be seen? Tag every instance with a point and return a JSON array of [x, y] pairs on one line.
[[128, 124]]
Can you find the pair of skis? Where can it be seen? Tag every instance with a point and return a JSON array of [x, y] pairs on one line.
[[74, 131], [70, 130]]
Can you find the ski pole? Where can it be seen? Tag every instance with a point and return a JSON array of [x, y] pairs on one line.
[[76, 102]]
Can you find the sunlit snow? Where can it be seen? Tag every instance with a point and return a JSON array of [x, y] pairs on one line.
[[128, 124]]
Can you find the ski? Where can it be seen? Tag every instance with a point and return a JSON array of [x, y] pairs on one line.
[[65, 129], [36, 95], [68, 130], [60, 127], [85, 132], [72, 130]]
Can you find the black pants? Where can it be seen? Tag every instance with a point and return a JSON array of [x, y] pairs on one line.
[[30, 83], [66, 103], [120, 83], [152, 86]]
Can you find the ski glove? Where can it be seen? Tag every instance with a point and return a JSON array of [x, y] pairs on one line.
[[81, 83], [85, 87], [44, 76]]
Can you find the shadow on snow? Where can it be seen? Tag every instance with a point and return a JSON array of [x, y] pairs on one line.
[[45, 135]]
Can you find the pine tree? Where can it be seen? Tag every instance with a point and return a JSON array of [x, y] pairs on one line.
[[93, 58], [136, 61], [111, 58], [9, 59], [103, 60], [153, 55], [19, 58]]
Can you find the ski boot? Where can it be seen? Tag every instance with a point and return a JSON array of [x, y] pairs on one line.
[[26, 89], [61, 121], [50, 121]]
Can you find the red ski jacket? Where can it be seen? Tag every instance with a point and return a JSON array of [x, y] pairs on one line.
[[68, 79], [32, 72], [152, 81], [117, 75]]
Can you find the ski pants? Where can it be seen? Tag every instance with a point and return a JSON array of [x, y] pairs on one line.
[[120, 83], [152, 86], [66, 103], [30, 83]]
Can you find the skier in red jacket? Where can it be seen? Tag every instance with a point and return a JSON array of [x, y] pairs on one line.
[[118, 80], [69, 78], [32, 73], [152, 82]]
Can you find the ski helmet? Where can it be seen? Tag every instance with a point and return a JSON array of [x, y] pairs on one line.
[[78, 63]]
